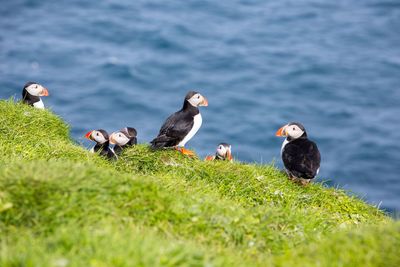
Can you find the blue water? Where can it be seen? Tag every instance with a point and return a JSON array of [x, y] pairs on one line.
[[332, 65]]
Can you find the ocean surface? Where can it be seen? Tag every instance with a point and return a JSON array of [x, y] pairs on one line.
[[332, 65]]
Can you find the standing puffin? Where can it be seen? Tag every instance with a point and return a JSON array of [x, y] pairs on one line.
[[31, 94], [181, 126], [224, 152], [123, 139], [300, 155], [102, 143]]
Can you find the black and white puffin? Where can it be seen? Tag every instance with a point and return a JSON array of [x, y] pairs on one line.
[[31, 94], [101, 138], [224, 152], [181, 126], [122, 139], [300, 155]]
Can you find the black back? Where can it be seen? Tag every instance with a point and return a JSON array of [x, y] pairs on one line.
[[177, 126], [301, 158]]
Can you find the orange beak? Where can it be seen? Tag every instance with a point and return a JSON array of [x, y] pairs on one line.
[[204, 103], [281, 132], [89, 135], [44, 92]]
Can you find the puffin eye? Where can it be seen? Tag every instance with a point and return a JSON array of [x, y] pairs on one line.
[[198, 96], [294, 128], [97, 134]]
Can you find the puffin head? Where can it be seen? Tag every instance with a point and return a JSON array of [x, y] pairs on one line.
[[292, 131], [123, 136], [131, 132], [99, 136], [196, 99], [36, 89], [224, 151]]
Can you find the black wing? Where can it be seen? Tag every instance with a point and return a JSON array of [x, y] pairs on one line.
[[302, 158], [174, 129]]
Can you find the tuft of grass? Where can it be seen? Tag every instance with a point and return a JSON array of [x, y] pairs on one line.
[[28, 133], [62, 206], [374, 245], [104, 244]]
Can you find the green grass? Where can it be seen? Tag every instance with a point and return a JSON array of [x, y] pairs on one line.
[[62, 206]]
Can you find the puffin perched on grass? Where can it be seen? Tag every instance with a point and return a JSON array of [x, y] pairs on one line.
[[224, 152], [122, 139], [101, 138], [300, 155], [31, 94], [181, 126]]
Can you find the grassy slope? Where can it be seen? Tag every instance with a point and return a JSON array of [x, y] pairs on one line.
[[62, 206]]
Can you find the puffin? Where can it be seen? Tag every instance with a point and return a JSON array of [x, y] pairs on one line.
[[122, 139], [300, 155], [101, 138], [181, 126], [31, 94], [224, 152]]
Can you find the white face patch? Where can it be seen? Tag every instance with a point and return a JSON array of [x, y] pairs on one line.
[[196, 100], [293, 131], [98, 137], [35, 89], [120, 139], [221, 151]]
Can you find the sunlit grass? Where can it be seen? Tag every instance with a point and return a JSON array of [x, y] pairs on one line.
[[62, 206]]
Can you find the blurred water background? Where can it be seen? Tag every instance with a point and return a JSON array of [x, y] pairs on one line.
[[332, 65]]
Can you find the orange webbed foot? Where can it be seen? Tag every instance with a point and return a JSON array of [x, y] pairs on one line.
[[186, 152]]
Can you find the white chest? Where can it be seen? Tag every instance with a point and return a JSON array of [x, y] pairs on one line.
[[198, 120], [39, 104], [113, 152], [283, 145]]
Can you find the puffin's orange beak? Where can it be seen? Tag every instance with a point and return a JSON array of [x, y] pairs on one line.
[[44, 92], [204, 103], [281, 132], [89, 135]]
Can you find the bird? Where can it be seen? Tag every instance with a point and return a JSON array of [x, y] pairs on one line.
[[101, 138], [123, 138], [181, 126], [224, 152], [300, 155], [31, 94]]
